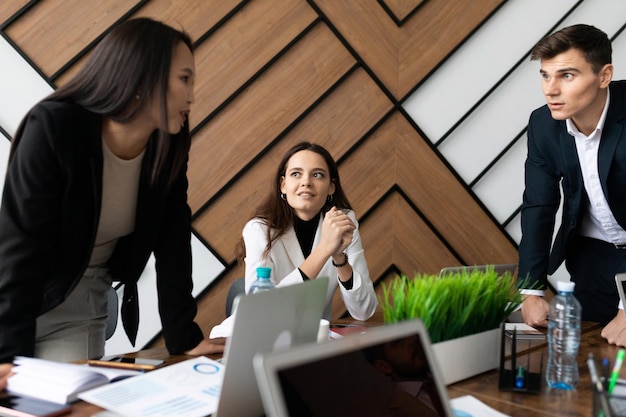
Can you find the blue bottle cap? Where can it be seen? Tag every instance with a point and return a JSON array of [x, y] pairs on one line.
[[263, 272]]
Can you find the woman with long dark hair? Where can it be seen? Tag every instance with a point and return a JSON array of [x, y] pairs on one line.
[[96, 183], [305, 228]]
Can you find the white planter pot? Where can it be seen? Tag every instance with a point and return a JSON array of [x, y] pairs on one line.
[[467, 356]]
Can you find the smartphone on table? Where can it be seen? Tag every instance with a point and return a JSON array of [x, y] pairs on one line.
[[12, 405], [140, 364]]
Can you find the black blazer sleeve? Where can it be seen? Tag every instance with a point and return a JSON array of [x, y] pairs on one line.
[[38, 231]]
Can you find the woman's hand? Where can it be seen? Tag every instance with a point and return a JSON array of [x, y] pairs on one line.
[[5, 373], [208, 347], [337, 231]]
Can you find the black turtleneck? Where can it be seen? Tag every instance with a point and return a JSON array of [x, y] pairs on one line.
[[305, 232]]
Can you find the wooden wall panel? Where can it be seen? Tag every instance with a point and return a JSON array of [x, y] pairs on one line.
[[402, 56], [248, 124], [401, 9], [239, 49], [196, 17], [52, 32], [445, 201], [207, 14], [9, 8], [274, 72], [337, 123]]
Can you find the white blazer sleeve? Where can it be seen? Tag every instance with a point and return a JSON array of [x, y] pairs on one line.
[[284, 270], [361, 299]]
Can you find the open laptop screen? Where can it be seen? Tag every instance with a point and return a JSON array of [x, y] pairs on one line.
[[267, 321], [387, 371]]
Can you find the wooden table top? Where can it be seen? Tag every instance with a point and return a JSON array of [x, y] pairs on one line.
[[485, 386], [547, 402]]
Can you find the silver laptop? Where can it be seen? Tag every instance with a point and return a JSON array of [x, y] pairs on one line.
[[358, 375], [268, 321], [620, 281], [500, 269]]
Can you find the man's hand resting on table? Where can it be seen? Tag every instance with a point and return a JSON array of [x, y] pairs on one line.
[[207, 347], [535, 311], [615, 331], [5, 373]]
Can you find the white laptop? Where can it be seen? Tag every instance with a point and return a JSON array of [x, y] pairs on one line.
[[499, 269], [620, 281], [267, 321], [352, 377]]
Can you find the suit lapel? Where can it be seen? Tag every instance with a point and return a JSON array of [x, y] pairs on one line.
[[570, 159], [611, 135], [292, 247]]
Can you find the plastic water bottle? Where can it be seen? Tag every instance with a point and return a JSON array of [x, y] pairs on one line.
[[262, 282], [563, 338]]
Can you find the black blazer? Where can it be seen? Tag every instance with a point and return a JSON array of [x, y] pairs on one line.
[[48, 222], [552, 160]]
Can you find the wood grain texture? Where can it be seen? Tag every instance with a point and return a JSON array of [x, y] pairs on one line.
[[52, 32], [402, 8], [255, 118], [9, 7], [446, 202], [402, 56], [239, 49], [337, 123], [196, 17]]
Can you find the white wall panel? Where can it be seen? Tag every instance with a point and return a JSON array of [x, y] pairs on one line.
[[205, 269], [484, 59], [501, 188], [20, 87], [495, 123], [5, 145]]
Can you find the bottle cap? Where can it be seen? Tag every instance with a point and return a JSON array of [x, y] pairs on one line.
[[565, 286], [263, 272]]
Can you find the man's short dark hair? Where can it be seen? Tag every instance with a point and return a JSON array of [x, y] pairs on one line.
[[591, 41]]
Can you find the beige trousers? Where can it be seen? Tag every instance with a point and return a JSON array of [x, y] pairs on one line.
[[74, 330]]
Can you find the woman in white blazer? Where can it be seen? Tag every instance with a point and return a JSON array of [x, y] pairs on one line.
[[306, 229]]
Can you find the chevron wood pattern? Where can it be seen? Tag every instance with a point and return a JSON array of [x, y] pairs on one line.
[[274, 72]]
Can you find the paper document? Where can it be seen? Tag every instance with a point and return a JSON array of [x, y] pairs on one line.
[[59, 382], [469, 406], [186, 389]]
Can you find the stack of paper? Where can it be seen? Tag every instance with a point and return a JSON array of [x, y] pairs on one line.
[[187, 389], [57, 381]]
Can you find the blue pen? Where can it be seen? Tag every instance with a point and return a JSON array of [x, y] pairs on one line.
[[619, 360], [520, 378], [606, 373]]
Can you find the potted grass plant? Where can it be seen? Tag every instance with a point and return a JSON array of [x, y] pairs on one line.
[[462, 311]]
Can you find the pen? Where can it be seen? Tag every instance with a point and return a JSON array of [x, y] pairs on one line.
[[595, 380], [605, 372], [520, 379], [616, 369]]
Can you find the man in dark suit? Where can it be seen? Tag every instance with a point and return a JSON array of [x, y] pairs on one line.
[[578, 141]]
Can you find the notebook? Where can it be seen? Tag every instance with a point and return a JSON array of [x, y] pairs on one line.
[[500, 269], [267, 321], [353, 376]]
